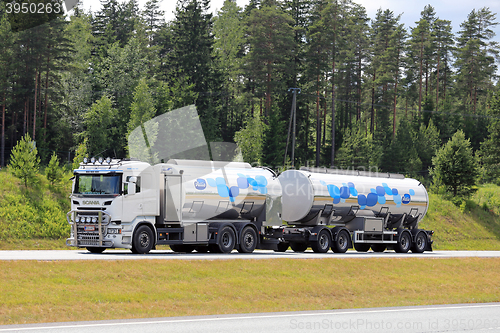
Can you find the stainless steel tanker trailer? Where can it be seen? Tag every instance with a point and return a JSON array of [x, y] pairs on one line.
[[221, 206]]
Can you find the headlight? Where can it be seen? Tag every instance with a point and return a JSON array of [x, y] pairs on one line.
[[94, 219], [88, 219], [100, 160], [77, 219]]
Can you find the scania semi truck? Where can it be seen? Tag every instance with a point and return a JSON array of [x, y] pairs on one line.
[[221, 206]]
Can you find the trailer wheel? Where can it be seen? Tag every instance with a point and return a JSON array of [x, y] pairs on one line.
[[341, 244], [404, 243], [361, 247], [143, 240], [248, 240], [322, 245], [379, 247], [96, 249], [282, 247], [298, 247], [420, 243], [227, 240]]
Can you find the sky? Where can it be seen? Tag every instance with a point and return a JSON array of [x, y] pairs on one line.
[[454, 10]]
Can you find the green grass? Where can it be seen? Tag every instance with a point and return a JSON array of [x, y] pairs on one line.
[[52, 291], [475, 225], [34, 212]]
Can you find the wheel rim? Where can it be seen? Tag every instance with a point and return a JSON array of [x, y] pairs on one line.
[[144, 240], [248, 240], [404, 241], [226, 239], [323, 241], [420, 242], [342, 241]]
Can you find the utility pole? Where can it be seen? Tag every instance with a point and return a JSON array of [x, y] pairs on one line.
[[293, 118]]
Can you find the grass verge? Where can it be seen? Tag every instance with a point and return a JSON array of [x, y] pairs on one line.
[[51, 291]]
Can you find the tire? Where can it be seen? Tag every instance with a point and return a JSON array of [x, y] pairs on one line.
[[282, 247], [341, 244], [143, 240], [248, 240], [322, 245], [298, 247], [420, 243], [379, 247], [404, 243], [182, 248], [226, 240], [96, 249], [361, 247]]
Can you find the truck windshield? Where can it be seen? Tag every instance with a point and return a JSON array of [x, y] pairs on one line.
[[98, 184]]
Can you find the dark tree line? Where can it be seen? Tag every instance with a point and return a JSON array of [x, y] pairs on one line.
[[374, 93]]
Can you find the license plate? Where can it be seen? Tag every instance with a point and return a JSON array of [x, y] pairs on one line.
[[89, 228]]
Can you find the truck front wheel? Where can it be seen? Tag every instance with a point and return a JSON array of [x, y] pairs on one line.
[[143, 240]]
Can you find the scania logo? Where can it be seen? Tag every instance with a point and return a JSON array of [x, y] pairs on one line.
[[90, 202]]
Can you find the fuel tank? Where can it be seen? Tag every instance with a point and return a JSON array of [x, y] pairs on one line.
[[341, 195], [207, 190]]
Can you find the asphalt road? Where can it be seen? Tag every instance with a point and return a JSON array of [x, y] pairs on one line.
[[169, 255], [436, 318]]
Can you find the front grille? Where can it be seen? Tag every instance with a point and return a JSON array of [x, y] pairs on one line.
[[86, 225]]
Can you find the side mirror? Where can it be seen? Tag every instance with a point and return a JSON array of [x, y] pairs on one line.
[[131, 185]]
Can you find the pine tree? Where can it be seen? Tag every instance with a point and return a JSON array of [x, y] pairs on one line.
[[53, 171], [489, 153], [80, 154], [139, 130], [7, 39], [270, 39], [191, 59], [24, 160], [100, 123], [455, 167]]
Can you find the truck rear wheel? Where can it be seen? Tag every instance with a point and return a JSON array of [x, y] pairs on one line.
[[361, 247], [420, 243], [322, 245], [404, 243], [298, 247], [227, 240], [248, 240], [341, 244], [143, 240]]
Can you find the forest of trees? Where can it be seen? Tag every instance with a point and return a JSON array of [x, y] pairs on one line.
[[375, 94]]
